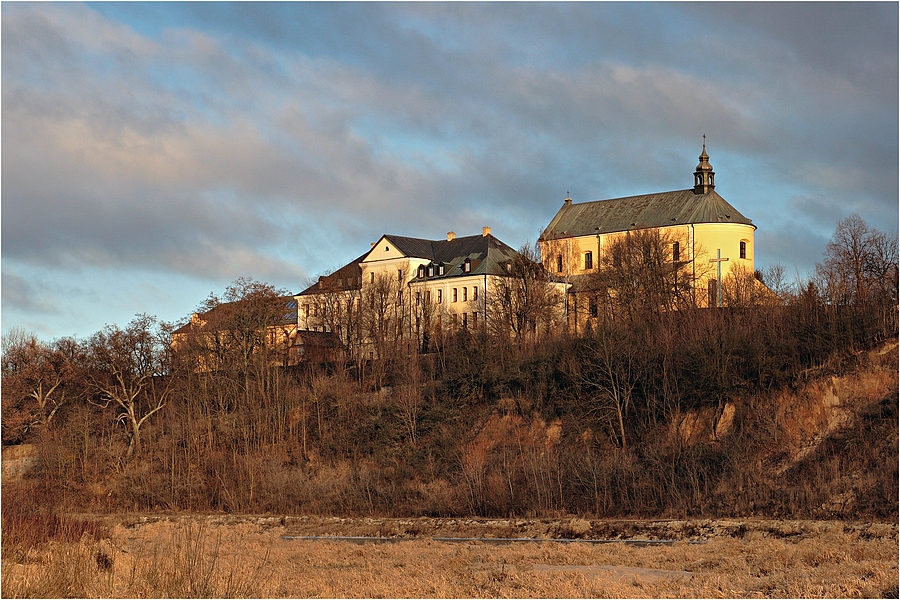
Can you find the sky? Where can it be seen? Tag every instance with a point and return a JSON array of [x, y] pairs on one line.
[[153, 153]]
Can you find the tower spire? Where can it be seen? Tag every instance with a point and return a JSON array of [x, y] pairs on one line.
[[704, 176]]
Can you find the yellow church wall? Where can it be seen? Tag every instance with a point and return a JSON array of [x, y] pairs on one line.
[[727, 237], [574, 249]]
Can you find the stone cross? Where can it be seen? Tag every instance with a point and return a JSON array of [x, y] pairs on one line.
[[719, 260]]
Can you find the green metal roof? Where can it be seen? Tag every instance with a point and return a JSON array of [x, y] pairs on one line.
[[663, 209]]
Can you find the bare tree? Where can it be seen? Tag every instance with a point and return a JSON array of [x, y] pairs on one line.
[[385, 321], [128, 368], [44, 374], [526, 302], [860, 263], [242, 334], [610, 369], [646, 271], [741, 288]]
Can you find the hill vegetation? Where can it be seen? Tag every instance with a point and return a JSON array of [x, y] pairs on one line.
[[786, 410]]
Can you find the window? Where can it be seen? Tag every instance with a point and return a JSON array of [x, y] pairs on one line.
[[592, 307], [588, 260], [465, 294], [418, 298], [559, 263], [467, 266], [474, 319], [387, 249], [427, 297], [372, 277], [440, 296], [743, 249], [454, 295], [399, 274], [440, 269], [431, 270], [421, 272], [676, 252], [465, 320], [475, 293]]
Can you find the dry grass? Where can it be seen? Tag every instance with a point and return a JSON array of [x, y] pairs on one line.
[[198, 558]]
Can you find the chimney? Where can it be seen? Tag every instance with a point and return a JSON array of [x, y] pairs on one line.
[[451, 236], [485, 231]]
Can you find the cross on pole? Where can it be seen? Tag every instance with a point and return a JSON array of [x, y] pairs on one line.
[[719, 260]]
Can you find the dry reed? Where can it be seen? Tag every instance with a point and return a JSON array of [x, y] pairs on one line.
[[197, 558]]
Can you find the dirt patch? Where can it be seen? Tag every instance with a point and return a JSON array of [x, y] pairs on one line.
[[569, 528]]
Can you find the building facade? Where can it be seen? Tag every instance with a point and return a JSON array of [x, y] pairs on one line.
[[407, 292], [693, 238]]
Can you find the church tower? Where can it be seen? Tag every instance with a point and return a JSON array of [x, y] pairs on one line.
[[704, 177]]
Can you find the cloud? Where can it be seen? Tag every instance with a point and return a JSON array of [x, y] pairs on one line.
[[211, 140], [21, 294]]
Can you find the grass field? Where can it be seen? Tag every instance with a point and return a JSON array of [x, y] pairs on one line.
[[195, 556]]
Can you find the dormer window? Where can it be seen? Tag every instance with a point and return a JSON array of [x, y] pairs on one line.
[[421, 272], [440, 270], [467, 266], [431, 270]]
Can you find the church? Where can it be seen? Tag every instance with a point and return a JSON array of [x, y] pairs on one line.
[[696, 235]]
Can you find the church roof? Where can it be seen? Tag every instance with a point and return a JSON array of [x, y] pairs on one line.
[[664, 209]]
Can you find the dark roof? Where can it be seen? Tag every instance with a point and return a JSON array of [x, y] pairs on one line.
[[487, 254], [213, 319], [347, 277], [663, 209]]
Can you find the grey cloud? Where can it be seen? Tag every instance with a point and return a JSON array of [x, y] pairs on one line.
[[794, 246], [22, 294]]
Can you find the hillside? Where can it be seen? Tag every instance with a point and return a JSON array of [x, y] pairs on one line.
[[822, 447]]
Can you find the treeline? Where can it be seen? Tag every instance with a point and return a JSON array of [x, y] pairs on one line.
[[588, 424]]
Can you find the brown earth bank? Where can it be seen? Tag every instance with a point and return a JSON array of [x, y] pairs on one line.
[[183, 555]]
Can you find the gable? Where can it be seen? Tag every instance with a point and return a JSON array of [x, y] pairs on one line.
[[384, 249]]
